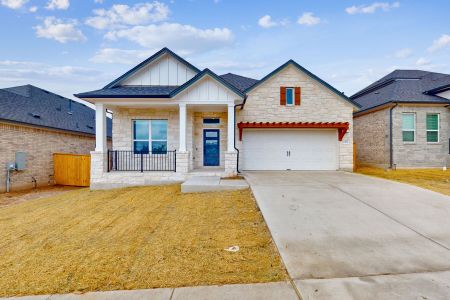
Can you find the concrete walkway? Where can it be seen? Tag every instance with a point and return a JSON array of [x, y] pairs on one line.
[[340, 234], [259, 291]]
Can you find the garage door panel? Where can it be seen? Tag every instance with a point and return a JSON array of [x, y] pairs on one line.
[[290, 150]]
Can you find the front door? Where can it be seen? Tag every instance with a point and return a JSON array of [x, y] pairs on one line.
[[211, 147]]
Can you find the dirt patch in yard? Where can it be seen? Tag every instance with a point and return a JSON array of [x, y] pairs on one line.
[[433, 179], [30, 194], [134, 238]]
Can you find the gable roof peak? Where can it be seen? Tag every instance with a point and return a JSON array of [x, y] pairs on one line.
[[154, 57]]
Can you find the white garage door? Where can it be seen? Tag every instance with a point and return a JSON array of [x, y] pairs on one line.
[[289, 149]]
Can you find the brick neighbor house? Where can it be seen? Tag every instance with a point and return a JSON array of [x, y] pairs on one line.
[[41, 123], [404, 121], [173, 121]]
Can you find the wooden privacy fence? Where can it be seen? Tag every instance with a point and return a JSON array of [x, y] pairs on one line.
[[72, 169]]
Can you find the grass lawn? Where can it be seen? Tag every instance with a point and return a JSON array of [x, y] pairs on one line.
[[133, 238], [433, 179]]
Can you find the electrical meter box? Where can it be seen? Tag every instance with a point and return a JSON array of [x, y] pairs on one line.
[[21, 161]]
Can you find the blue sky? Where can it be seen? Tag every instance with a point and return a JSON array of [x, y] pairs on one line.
[[69, 46]]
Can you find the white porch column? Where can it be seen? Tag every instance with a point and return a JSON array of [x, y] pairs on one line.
[[100, 127], [182, 139], [231, 128]]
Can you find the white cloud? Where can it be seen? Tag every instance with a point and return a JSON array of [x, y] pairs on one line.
[[58, 4], [33, 9], [52, 77], [308, 19], [184, 38], [59, 30], [403, 53], [422, 62], [121, 56], [370, 9], [442, 42], [122, 14], [14, 4], [98, 1], [266, 22]]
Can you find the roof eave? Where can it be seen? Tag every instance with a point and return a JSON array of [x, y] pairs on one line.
[[199, 76]]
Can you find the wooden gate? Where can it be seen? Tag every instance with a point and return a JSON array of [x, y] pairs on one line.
[[72, 169]]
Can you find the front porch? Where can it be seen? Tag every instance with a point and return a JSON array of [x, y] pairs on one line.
[[154, 144]]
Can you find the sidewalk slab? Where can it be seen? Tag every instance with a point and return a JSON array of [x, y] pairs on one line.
[[151, 294], [435, 285], [200, 184], [258, 291]]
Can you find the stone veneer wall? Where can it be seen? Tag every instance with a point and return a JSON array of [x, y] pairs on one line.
[[421, 154], [39, 144], [318, 104], [371, 135], [198, 135]]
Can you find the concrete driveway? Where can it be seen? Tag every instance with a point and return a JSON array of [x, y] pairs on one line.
[[349, 236]]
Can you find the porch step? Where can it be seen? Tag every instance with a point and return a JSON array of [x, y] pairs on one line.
[[199, 184]]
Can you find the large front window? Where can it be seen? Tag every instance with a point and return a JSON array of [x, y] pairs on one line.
[[150, 136]]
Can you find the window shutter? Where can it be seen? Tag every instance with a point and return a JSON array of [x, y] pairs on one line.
[[297, 96], [282, 95]]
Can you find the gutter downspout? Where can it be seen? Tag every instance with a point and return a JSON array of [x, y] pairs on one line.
[[237, 150], [391, 147]]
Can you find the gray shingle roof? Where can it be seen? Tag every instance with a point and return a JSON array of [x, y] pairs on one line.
[[402, 86], [240, 82], [31, 105], [158, 91]]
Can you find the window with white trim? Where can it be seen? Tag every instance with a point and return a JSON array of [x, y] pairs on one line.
[[150, 136], [290, 93], [432, 128], [409, 127]]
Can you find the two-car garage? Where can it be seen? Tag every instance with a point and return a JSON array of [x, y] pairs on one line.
[[290, 149]]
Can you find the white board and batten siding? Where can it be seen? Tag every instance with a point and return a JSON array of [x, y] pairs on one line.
[[207, 90], [165, 71]]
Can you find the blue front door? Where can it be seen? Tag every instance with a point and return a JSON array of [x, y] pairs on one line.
[[211, 147]]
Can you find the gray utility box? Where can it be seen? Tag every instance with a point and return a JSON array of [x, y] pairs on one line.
[[21, 161]]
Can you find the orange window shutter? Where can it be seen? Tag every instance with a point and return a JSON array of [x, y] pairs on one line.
[[298, 96], [282, 95]]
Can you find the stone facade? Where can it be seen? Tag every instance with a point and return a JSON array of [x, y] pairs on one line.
[[318, 104], [421, 154], [39, 144], [371, 135], [198, 135], [373, 141]]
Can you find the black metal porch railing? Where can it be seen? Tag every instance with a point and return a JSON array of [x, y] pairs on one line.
[[119, 160]]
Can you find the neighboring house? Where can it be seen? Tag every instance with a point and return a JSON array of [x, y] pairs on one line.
[[404, 121], [41, 123], [172, 120]]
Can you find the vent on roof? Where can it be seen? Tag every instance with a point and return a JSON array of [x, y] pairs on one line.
[[90, 127], [59, 108], [35, 115]]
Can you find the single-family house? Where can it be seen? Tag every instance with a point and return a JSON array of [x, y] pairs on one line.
[[404, 121], [39, 123], [172, 120]]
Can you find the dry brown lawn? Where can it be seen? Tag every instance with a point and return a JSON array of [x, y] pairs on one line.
[[433, 179], [133, 238], [30, 194]]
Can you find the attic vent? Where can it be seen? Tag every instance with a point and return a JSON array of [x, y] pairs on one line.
[[377, 93], [90, 127], [35, 115], [70, 113], [59, 108]]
